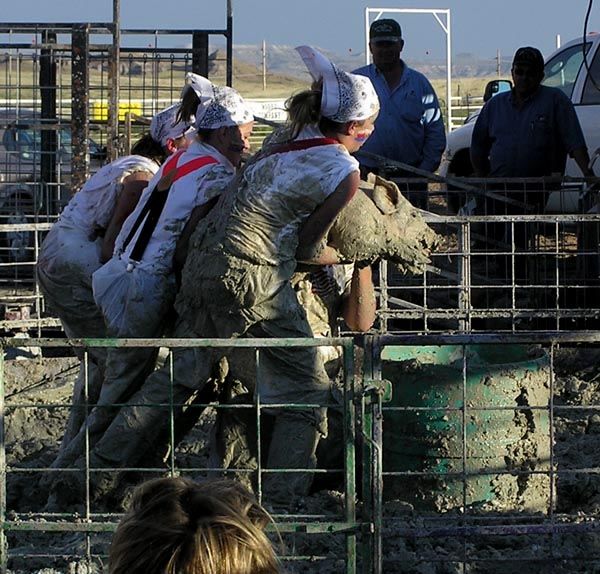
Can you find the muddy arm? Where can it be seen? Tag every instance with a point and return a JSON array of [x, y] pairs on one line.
[[311, 247]]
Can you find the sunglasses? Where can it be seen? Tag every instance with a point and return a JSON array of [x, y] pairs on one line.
[[528, 72]]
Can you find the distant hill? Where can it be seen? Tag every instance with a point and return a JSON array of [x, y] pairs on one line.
[[283, 60]]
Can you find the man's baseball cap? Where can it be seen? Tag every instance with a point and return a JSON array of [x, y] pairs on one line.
[[528, 56], [385, 30]]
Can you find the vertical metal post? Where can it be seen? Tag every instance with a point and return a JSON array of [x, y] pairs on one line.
[[230, 43], [80, 125], [372, 460], [350, 453], [114, 73], [48, 90], [377, 463], [3, 541], [448, 31], [171, 360], [464, 276], [200, 53]]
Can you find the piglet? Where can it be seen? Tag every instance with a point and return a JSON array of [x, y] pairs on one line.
[[379, 223]]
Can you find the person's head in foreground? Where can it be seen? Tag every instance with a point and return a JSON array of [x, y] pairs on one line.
[[178, 526], [343, 105]]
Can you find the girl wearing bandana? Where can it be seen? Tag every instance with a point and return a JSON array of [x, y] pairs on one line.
[[78, 242], [236, 281], [136, 288]]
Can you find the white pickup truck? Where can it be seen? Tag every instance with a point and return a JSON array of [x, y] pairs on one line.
[[565, 69]]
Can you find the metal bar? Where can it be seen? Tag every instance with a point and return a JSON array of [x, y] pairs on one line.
[[115, 79], [200, 53], [3, 540], [371, 473], [172, 342], [375, 351], [48, 90], [503, 530], [349, 415], [229, 37], [484, 338], [80, 160], [171, 414]]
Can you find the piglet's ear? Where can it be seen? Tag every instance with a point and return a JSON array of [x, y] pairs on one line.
[[386, 196]]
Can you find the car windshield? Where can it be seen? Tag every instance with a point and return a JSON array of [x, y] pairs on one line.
[[27, 141], [562, 70]]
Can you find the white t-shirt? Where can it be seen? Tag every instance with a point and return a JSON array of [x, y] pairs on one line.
[[192, 190], [93, 205], [279, 193]]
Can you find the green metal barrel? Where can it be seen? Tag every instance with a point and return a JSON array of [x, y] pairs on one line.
[[472, 422]]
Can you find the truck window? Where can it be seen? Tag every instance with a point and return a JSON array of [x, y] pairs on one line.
[[562, 70], [591, 89]]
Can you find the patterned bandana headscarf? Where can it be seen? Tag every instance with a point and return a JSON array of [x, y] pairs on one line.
[[346, 97], [219, 106], [164, 125]]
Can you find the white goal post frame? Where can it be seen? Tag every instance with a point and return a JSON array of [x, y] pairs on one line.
[[442, 17]]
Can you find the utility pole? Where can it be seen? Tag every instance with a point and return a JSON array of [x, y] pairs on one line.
[[498, 68], [229, 80], [264, 65]]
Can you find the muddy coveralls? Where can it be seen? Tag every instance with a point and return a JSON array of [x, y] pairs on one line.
[[135, 291], [69, 255], [238, 284], [234, 440]]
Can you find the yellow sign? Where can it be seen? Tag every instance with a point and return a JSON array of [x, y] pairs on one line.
[[100, 110]]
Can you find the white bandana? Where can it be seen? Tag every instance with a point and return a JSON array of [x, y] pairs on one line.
[[164, 125], [346, 97], [219, 106]]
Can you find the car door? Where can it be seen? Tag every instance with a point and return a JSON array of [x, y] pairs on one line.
[[566, 71], [587, 104]]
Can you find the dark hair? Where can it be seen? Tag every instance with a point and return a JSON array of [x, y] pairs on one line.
[[304, 109], [188, 106], [148, 147], [177, 526]]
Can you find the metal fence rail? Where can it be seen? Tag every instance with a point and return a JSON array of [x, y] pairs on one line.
[[457, 453], [506, 272], [327, 530]]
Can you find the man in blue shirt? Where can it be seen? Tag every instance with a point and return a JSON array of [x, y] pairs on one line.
[[409, 128], [526, 132]]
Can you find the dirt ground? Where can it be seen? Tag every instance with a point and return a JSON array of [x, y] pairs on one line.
[[33, 431]]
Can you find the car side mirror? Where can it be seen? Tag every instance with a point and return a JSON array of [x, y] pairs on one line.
[[496, 87]]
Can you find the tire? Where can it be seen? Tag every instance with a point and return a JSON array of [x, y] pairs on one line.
[[17, 246], [460, 167]]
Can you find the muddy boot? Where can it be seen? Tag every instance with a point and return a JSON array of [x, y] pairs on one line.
[[66, 493], [233, 441], [293, 445], [103, 483]]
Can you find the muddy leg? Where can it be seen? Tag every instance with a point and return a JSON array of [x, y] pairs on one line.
[[234, 441], [78, 412], [293, 446]]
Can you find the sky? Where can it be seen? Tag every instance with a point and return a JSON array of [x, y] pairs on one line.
[[477, 26]]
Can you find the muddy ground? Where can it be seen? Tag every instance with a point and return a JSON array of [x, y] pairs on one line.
[[33, 431]]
